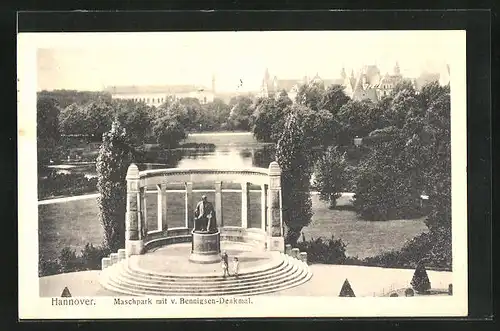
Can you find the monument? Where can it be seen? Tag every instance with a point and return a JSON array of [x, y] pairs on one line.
[[205, 244]]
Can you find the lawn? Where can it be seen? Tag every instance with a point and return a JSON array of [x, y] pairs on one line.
[[74, 223]]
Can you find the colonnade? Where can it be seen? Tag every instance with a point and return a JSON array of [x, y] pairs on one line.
[[271, 221]]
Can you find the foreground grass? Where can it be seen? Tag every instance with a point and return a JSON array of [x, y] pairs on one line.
[[74, 223]]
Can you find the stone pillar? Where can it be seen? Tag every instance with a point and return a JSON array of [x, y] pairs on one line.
[[134, 243], [295, 253], [276, 241], [218, 204], [162, 207], [189, 205], [288, 249], [263, 203], [144, 211], [122, 254], [114, 258], [245, 204], [303, 257], [105, 262]]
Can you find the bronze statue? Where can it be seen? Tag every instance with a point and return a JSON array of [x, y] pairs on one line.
[[204, 216]]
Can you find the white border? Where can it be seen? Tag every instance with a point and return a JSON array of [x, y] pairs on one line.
[[31, 306]]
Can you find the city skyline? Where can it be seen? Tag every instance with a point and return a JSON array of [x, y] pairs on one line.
[[238, 60]]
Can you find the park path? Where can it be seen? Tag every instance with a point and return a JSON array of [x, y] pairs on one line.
[[341, 201]]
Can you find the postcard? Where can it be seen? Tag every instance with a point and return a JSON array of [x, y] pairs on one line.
[[242, 174]]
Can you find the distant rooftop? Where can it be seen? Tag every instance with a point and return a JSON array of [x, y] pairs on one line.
[[143, 89]]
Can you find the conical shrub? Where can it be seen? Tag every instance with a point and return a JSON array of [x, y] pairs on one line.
[[346, 290], [420, 281]]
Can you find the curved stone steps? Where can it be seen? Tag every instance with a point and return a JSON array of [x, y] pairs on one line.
[[277, 260], [251, 282], [120, 288], [273, 271], [289, 273], [122, 274], [226, 290]]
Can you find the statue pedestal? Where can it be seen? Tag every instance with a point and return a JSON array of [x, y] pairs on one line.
[[205, 247]]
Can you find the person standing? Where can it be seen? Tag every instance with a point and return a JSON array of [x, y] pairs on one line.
[[235, 266], [225, 265]]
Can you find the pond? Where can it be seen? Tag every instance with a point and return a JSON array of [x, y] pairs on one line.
[[74, 223]]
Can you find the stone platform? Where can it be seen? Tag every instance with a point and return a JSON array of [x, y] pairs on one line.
[[168, 270], [175, 260]]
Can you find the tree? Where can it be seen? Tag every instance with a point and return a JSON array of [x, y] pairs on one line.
[[67, 97], [414, 159], [240, 116], [294, 158], [47, 125], [318, 126], [331, 175], [311, 95], [218, 111], [420, 281], [115, 155], [70, 119], [269, 119], [167, 126], [98, 118], [356, 118], [192, 113], [135, 117], [91, 119], [334, 98]]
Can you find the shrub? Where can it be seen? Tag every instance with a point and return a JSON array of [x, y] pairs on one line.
[[393, 295], [433, 248], [409, 292], [54, 184], [330, 251], [69, 261], [48, 267], [346, 290], [91, 256], [420, 281]]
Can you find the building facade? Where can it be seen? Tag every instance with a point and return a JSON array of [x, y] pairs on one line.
[[368, 83], [157, 95]]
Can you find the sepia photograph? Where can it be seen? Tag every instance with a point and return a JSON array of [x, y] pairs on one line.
[[242, 174]]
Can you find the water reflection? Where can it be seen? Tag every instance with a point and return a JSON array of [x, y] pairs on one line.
[[244, 152]]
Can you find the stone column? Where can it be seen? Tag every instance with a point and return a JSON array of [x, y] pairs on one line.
[[162, 207], [189, 205], [263, 204], [276, 241], [144, 211], [218, 204], [245, 202], [134, 243]]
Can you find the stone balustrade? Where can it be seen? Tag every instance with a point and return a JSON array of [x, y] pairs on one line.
[[296, 253]]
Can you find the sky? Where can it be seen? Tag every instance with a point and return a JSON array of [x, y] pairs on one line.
[[238, 60]]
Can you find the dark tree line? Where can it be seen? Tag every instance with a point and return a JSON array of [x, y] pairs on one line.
[[405, 153], [90, 115]]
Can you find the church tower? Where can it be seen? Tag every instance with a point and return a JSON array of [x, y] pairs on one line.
[[343, 75], [397, 70], [213, 84]]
